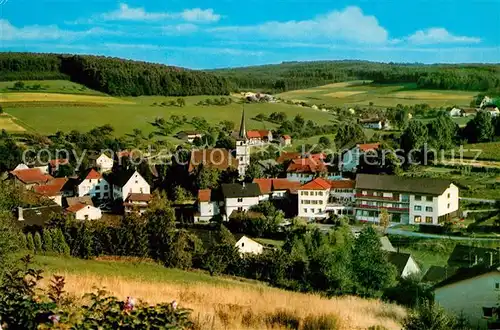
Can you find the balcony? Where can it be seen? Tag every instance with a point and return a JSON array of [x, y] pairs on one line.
[[382, 198], [375, 207]]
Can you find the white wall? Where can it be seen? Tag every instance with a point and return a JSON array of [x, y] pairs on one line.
[[240, 204], [247, 245], [470, 296], [104, 163], [441, 205], [410, 268], [136, 185], [99, 188], [243, 156], [208, 210], [88, 213], [312, 203], [57, 199]]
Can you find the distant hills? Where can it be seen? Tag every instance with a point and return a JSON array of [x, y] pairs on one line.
[[121, 77]]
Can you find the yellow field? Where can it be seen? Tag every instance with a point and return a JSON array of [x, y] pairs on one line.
[[8, 124], [426, 95], [54, 97], [344, 94], [242, 307]]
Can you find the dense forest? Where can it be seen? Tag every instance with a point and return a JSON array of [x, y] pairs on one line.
[[112, 75], [124, 77], [298, 75]]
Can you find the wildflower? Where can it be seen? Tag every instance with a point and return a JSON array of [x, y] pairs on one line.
[[174, 305], [54, 318], [129, 304]]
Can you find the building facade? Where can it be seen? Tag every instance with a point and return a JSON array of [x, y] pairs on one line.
[[94, 185], [129, 182], [104, 163], [408, 200], [242, 148], [240, 197]]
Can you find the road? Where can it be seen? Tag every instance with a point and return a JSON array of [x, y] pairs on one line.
[[393, 231], [478, 200]]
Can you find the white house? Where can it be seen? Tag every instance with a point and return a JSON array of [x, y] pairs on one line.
[[408, 200], [136, 203], [92, 184], [104, 163], [239, 197], [472, 291], [351, 158], [276, 188], [376, 123], [128, 182], [319, 198], [189, 136], [85, 212], [248, 245], [455, 112], [259, 137], [405, 265], [286, 140], [207, 208], [54, 190]]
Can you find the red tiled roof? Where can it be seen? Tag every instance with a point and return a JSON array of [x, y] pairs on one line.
[[258, 134], [92, 175], [287, 156], [285, 184], [316, 184], [204, 195], [48, 190], [306, 165], [265, 185], [368, 146], [215, 157], [342, 184], [287, 137], [76, 207], [136, 197], [57, 162], [58, 182], [31, 175]]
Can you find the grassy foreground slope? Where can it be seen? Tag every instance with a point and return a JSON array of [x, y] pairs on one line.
[[217, 302]]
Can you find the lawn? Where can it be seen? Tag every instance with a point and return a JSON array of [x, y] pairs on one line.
[[139, 112], [387, 95], [485, 151], [49, 86]]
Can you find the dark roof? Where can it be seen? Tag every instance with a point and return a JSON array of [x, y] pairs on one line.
[[463, 274], [437, 273], [465, 255], [38, 216], [399, 260], [236, 190], [429, 186], [121, 177]]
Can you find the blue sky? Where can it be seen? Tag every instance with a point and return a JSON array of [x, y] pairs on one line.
[[213, 34]]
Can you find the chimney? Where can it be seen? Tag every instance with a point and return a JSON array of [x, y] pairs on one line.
[[20, 215]]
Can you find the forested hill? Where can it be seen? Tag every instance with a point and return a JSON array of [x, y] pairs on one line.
[[298, 75], [112, 75]]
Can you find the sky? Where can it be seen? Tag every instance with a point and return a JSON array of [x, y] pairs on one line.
[[230, 33]]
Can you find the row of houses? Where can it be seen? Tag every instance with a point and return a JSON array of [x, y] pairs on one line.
[[407, 200]]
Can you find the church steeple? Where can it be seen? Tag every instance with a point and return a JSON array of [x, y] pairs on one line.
[[243, 131]]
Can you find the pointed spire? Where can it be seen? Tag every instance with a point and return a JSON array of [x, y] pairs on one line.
[[243, 130]]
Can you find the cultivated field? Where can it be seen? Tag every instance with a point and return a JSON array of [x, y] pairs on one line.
[[217, 303], [363, 92], [84, 112], [8, 123]]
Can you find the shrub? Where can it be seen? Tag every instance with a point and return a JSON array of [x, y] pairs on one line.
[[30, 243], [321, 322], [37, 240], [283, 318], [47, 244]]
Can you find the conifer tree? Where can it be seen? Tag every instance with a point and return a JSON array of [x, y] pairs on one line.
[[30, 243], [47, 244], [37, 240]]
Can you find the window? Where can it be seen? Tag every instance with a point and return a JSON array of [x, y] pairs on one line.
[[488, 311], [448, 205], [98, 194], [375, 193], [428, 219], [242, 244], [320, 193], [240, 209], [418, 198], [240, 200], [136, 182], [449, 195], [417, 208], [306, 193], [106, 187], [364, 193], [497, 286], [86, 216], [417, 219], [312, 210], [97, 187], [428, 198], [305, 210], [428, 209], [404, 198]]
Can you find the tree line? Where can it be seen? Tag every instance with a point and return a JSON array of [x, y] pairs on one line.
[[113, 76], [297, 75]]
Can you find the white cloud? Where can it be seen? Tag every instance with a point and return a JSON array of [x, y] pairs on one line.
[[45, 32], [179, 29], [439, 36], [199, 15], [128, 13], [350, 24], [197, 50]]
